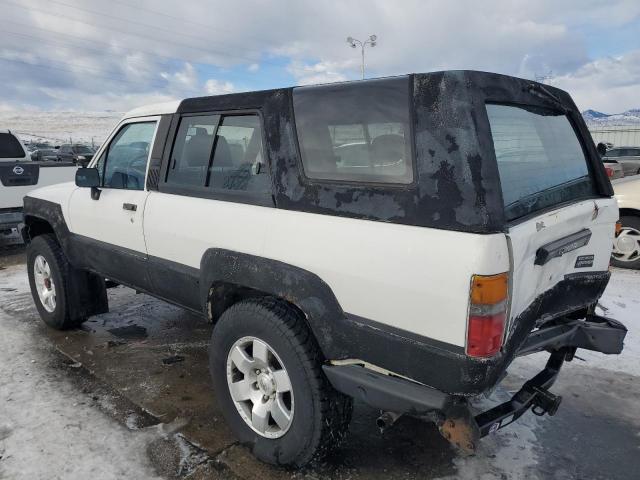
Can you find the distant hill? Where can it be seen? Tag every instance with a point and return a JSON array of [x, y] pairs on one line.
[[59, 127], [599, 119]]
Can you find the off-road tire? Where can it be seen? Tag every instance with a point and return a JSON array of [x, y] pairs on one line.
[[321, 416], [633, 222], [47, 246]]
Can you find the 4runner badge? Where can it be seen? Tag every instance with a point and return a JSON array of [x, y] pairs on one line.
[[584, 261], [18, 170]]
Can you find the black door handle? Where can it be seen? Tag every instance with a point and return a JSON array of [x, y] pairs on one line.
[[130, 206]]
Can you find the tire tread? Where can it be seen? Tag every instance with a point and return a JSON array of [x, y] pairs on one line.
[[334, 408]]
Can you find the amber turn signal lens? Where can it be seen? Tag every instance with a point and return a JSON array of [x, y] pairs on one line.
[[618, 227], [489, 289]]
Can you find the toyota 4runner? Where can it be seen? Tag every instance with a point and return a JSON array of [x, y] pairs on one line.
[[398, 240]]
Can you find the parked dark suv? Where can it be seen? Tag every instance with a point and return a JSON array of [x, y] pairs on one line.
[[75, 153]]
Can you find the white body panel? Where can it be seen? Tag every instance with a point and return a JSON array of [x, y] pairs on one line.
[[60, 194], [11, 197], [412, 278], [106, 219], [181, 228]]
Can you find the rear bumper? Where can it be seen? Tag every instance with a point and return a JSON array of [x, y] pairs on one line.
[[560, 337]]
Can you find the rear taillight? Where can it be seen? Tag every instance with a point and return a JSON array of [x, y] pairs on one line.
[[487, 314], [609, 171]]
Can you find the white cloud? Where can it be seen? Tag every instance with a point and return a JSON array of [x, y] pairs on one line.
[[185, 79], [96, 52], [321, 72], [610, 84], [217, 87]]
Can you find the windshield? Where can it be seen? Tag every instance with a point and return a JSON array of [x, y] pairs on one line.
[[540, 159], [10, 146]]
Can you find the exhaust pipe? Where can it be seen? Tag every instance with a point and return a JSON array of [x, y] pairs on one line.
[[386, 420]]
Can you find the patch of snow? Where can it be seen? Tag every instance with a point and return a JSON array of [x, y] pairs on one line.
[[60, 127], [46, 431], [509, 453]]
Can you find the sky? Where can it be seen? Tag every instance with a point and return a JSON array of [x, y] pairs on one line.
[[93, 55]]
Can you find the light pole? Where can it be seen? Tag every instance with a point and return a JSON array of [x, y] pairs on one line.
[[354, 42]]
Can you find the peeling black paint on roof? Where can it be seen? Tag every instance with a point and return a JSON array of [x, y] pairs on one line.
[[457, 186]]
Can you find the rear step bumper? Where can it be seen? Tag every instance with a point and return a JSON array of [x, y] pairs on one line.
[[561, 337]]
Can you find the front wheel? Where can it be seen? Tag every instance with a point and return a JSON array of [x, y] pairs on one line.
[[626, 245], [266, 370], [48, 271]]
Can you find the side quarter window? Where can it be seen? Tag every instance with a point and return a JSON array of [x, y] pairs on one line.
[[238, 160], [191, 152], [123, 164]]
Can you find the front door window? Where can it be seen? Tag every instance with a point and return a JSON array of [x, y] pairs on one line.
[[123, 164]]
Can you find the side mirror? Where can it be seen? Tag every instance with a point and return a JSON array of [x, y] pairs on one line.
[[89, 178], [602, 149]]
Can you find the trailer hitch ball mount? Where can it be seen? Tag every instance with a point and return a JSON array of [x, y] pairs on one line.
[[545, 402]]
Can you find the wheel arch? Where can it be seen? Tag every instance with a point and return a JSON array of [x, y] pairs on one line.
[[42, 216], [223, 294], [35, 226], [227, 277]]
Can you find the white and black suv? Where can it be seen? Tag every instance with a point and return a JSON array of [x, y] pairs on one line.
[[396, 240]]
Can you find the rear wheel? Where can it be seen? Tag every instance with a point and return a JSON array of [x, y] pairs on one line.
[[626, 246], [266, 369], [48, 271]]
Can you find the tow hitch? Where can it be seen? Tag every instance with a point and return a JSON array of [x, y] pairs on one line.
[[534, 394], [562, 339], [464, 430]]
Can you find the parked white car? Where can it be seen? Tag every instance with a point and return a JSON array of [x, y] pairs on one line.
[[628, 157], [626, 246]]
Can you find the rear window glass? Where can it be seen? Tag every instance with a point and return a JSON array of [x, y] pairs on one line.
[[355, 133], [540, 159], [10, 146]]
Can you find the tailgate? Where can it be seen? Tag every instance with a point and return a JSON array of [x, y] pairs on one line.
[[545, 249], [17, 179], [559, 225]]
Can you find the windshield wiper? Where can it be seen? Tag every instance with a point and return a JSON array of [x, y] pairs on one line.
[[540, 91]]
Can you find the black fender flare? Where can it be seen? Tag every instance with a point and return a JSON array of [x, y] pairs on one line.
[[304, 289], [49, 212], [87, 288]]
